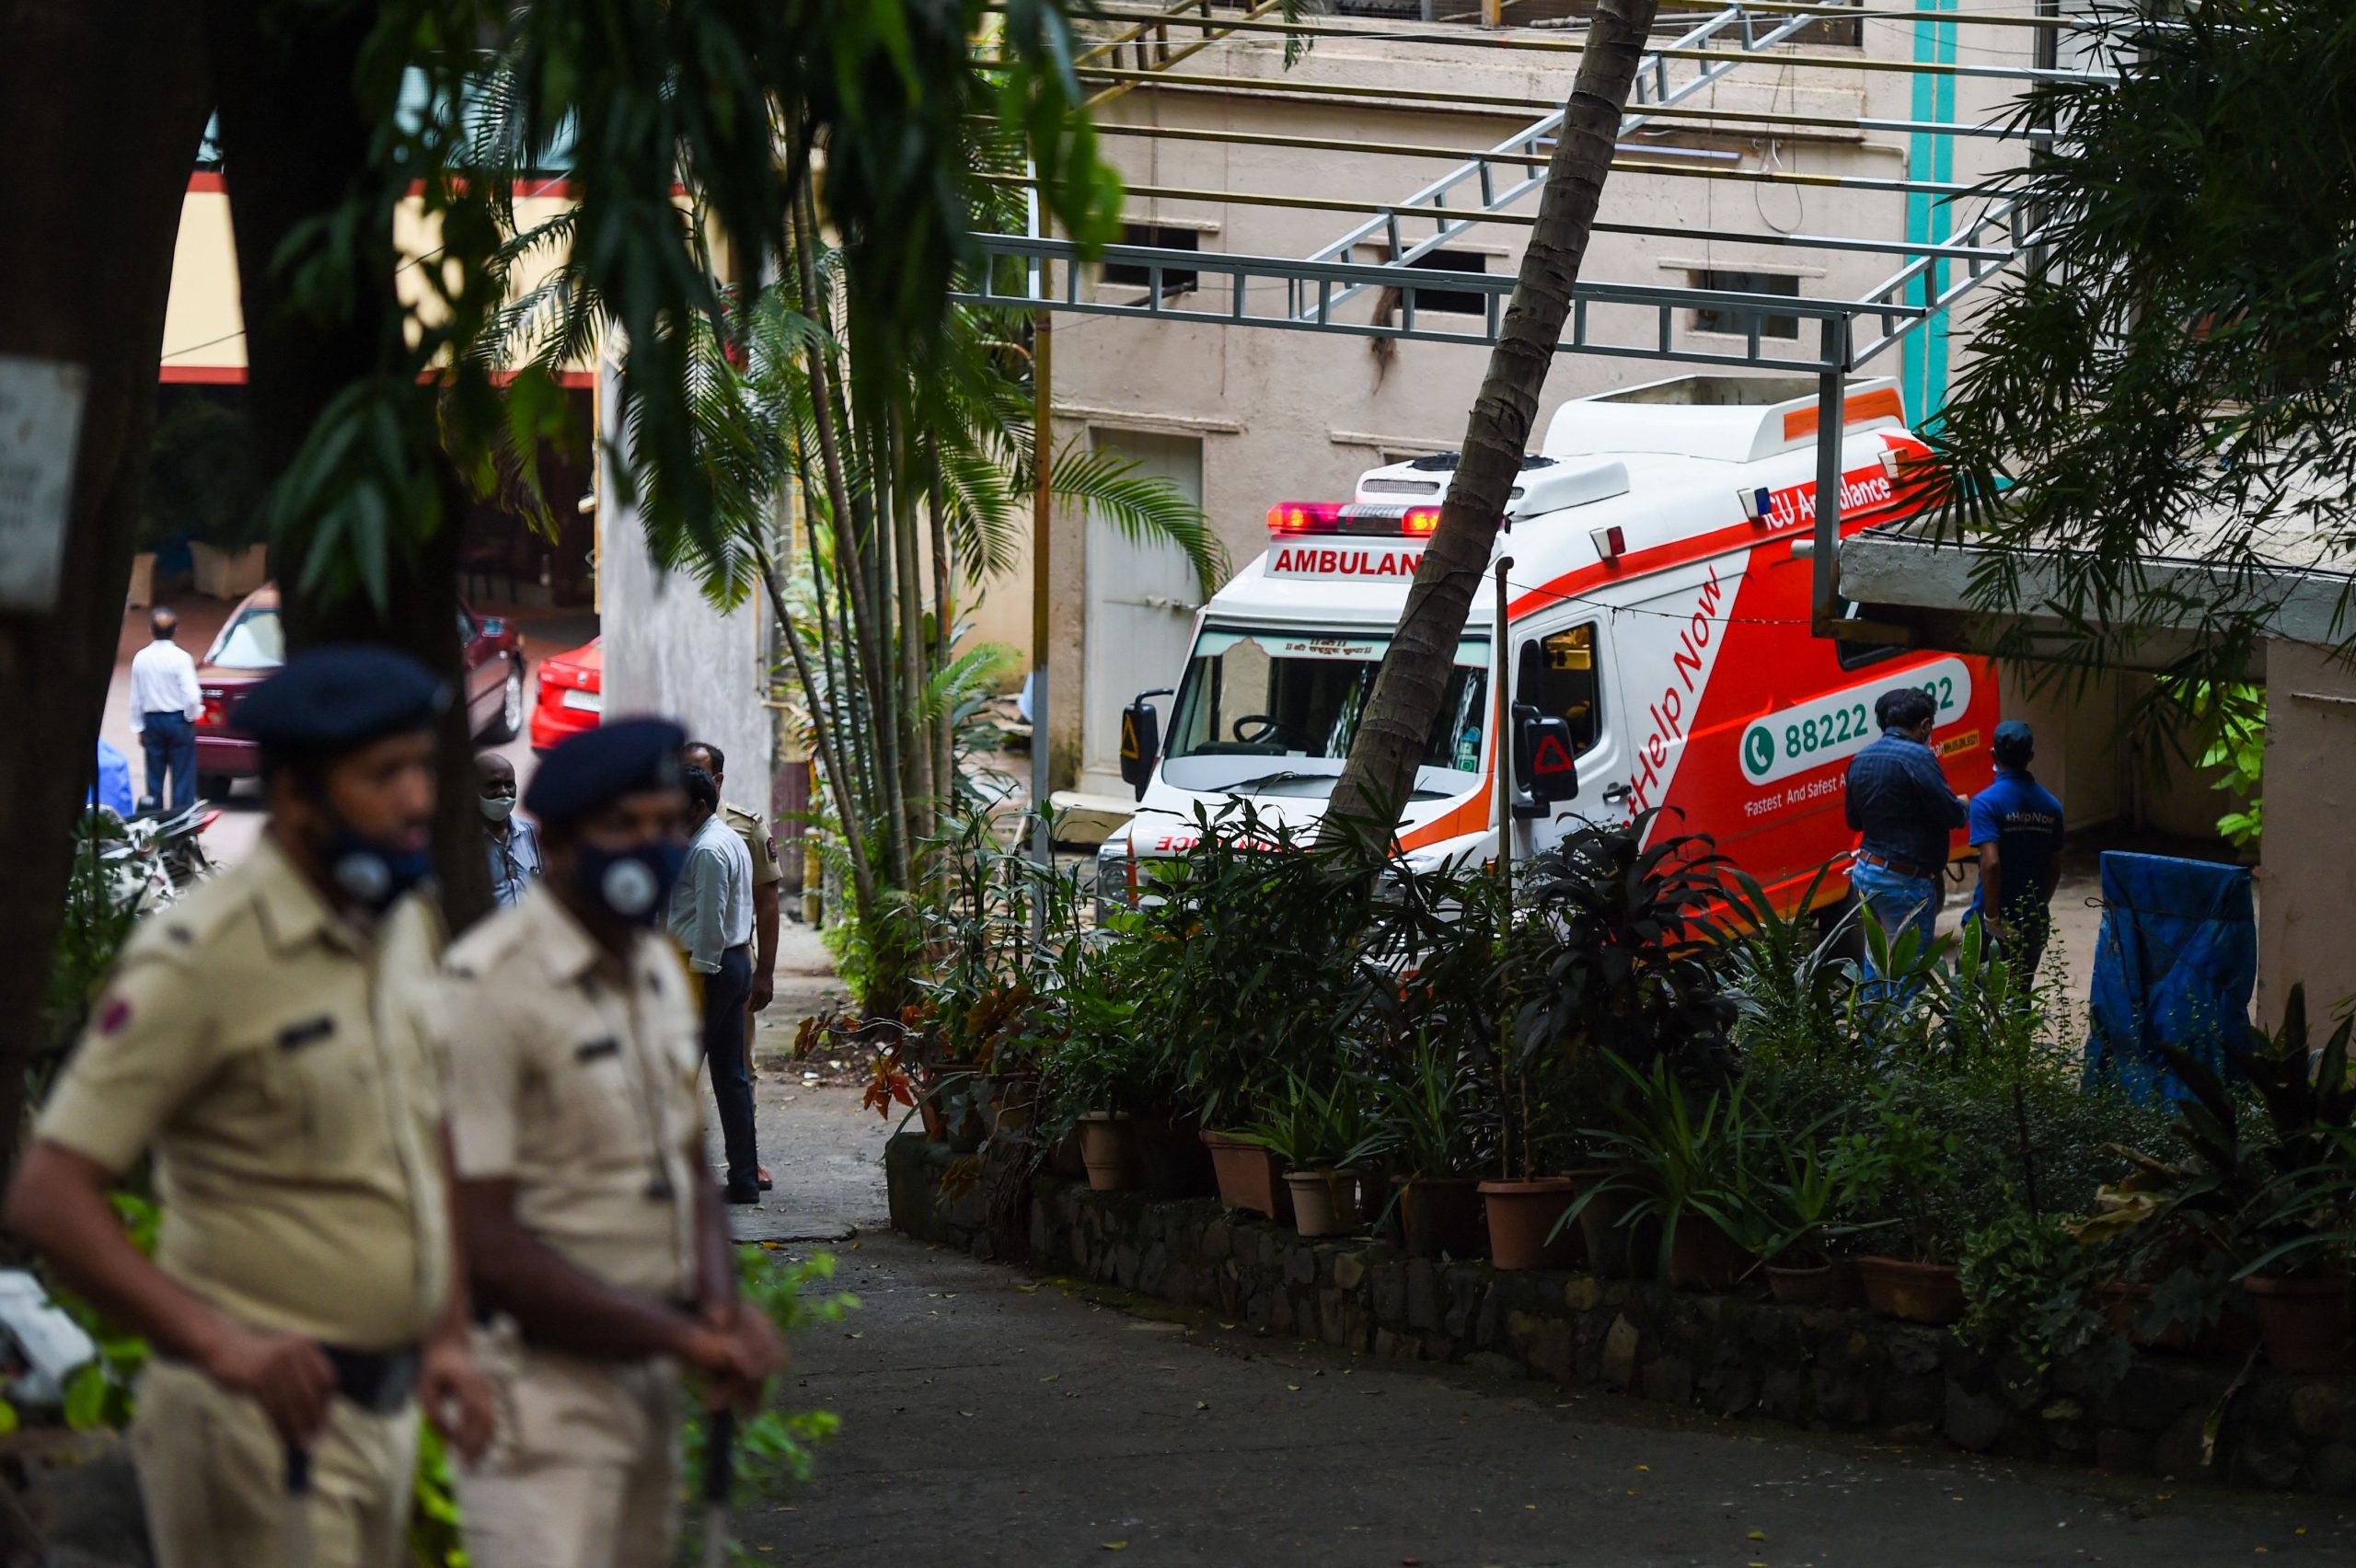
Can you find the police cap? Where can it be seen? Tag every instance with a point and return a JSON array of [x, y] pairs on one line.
[[597, 768], [326, 701]]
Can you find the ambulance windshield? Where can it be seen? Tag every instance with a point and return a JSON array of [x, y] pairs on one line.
[[1267, 712]]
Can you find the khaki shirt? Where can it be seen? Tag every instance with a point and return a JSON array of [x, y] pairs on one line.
[[276, 1063], [578, 1084], [755, 831]]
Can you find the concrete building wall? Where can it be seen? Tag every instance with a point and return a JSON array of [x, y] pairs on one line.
[[2306, 886], [669, 652]]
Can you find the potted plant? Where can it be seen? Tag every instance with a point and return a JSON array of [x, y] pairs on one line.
[[2272, 1199], [1786, 1214], [1905, 1169], [1249, 1175], [1678, 1175], [1613, 967], [1430, 1105], [1323, 1137]]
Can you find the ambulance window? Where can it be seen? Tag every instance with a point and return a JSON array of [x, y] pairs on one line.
[[1559, 676], [1857, 655]]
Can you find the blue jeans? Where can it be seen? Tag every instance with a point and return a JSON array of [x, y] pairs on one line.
[[724, 996], [169, 740], [1899, 903]]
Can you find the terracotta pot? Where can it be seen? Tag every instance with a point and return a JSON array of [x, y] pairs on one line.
[[1704, 1257], [1602, 1237], [1249, 1177], [1919, 1293], [1108, 1149], [1801, 1286], [1845, 1287], [1325, 1203], [1522, 1215], [2301, 1323], [1172, 1162], [1440, 1215]]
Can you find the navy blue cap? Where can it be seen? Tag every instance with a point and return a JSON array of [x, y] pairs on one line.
[[326, 701], [2014, 742], [597, 768]]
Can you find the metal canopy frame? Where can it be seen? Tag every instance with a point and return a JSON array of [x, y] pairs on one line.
[[1615, 319]]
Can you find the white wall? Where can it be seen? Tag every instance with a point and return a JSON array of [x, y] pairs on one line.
[[668, 650]]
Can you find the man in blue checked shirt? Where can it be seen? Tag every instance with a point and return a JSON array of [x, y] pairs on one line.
[[1899, 802]]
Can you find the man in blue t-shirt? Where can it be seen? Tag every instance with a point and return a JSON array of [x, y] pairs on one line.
[[2016, 828]]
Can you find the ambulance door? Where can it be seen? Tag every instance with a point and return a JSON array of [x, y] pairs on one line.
[[1561, 668]]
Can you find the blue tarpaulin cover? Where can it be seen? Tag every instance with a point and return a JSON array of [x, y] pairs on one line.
[[113, 790], [2176, 963]]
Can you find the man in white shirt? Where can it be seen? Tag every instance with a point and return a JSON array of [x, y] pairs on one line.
[[165, 703], [711, 919]]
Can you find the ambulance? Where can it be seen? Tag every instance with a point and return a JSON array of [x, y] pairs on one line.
[[1654, 648]]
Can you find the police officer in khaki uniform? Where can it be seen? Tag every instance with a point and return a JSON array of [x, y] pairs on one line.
[[263, 1039], [594, 1230], [768, 874]]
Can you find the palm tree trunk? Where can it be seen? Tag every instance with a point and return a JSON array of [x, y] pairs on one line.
[[1413, 682], [916, 738], [101, 107], [944, 738], [829, 757]]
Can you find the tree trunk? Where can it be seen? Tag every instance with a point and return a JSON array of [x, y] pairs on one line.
[[296, 147], [102, 104], [1414, 679]]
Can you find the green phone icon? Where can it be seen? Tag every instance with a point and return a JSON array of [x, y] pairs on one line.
[[1759, 750]]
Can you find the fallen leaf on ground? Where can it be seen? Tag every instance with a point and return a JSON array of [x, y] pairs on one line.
[[1756, 1535], [1113, 1545]]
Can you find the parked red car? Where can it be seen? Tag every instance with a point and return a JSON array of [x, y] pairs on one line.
[[253, 644], [571, 693]]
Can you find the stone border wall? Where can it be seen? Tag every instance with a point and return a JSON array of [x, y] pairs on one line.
[[1731, 1356]]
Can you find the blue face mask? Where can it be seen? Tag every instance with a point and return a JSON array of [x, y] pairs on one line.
[[633, 885], [369, 872]]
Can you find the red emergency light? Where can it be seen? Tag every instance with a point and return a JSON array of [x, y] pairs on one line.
[[1337, 517], [1305, 517]]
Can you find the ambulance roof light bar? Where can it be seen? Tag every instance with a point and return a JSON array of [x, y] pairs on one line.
[[1343, 517]]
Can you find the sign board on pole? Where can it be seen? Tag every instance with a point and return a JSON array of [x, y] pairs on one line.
[[41, 431]]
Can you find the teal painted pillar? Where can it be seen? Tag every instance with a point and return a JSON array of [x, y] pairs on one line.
[[1923, 357]]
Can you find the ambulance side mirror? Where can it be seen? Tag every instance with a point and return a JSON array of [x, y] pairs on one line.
[[1545, 756], [1140, 740]]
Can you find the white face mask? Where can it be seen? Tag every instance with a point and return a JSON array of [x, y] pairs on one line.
[[496, 807]]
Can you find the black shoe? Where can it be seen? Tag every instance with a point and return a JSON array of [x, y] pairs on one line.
[[766, 1183], [749, 1192]]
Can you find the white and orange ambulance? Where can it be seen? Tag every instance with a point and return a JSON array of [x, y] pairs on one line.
[[1657, 631]]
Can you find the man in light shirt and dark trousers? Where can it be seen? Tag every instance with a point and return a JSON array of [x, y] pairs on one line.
[[711, 919], [164, 705]]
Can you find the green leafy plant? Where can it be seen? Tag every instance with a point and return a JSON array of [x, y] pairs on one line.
[[1795, 995], [2027, 1284], [1618, 964], [2265, 1180], [1905, 1169], [1795, 1195], [1256, 941], [1671, 1161], [1309, 1127], [1432, 1103]]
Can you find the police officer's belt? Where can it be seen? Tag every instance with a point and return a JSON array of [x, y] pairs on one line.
[[379, 1382]]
